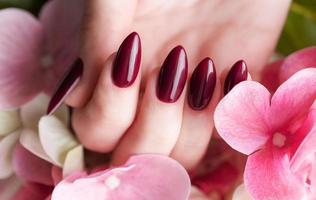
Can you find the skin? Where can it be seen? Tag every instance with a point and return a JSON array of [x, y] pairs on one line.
[[108, 118]]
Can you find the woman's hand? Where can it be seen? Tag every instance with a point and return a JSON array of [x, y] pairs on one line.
[[109, 117]]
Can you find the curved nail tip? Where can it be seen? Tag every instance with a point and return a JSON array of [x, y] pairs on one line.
[[237, 74], [68, 83], [173, 75], [202, 84], [127, 61]]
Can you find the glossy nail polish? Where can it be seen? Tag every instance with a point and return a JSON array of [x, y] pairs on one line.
[[69, 81], [127, 62], [173, 75], [202, 84], [237, 74]]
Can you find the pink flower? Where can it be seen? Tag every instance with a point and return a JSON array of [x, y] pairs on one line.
[[152, 177], [278, 133], [34, 54], [279, 71]]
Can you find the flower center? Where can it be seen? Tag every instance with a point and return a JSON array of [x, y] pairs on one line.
[[47, 61], [112, 182], [278, 139]]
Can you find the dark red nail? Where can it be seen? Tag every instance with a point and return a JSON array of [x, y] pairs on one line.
[[237, 74], [69, 81], [173, 75], [127, 61], [202, 84]]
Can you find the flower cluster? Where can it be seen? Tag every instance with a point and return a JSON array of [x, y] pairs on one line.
[[274, 129]]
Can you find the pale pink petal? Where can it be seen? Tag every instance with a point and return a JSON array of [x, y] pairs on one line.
[[268, 176], [7, 145], [269, 75], [8, 187], [30, 167], [56, 139], [21, 38], [62, 21], [32, 191], [152, 177], [292, 101], [241, 117], [298, 60], [9, 122]]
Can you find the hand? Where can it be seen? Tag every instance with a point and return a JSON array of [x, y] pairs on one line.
[[226, 31]]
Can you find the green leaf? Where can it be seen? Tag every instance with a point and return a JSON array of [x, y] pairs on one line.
[[30, 5], [300, 28]]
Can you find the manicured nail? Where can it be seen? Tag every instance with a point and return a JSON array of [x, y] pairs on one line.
[[237, 74], [173, 75], [69, 81], [127, 61], [202, 84]]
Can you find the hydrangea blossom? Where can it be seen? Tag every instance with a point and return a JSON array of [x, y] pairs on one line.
[[277, 132], [153, 177], [35, 53]]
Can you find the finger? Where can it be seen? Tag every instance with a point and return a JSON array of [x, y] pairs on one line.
[[158, 122], [105, 24], [110, 112], [197, 126]]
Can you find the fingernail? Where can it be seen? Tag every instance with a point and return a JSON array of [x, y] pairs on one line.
[[127, 61], [69, 81], [173, 75], [237, 74], [202, 84]]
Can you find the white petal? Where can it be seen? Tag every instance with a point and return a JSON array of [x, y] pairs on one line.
[[241, 193], [35, 109], [7, 145], [9, 121], [55, 138], [30, 140], [74, 161]]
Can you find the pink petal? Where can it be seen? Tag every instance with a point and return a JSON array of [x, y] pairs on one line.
[[269, 77], [241, 117], [292, 101], [30, 167], [306, 149], [20, 49], [8, 187], [219, 180], [57, 174], [268, 176], [62, 21], [32, 191], [295, 140], [152, 177], [298, 60]]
